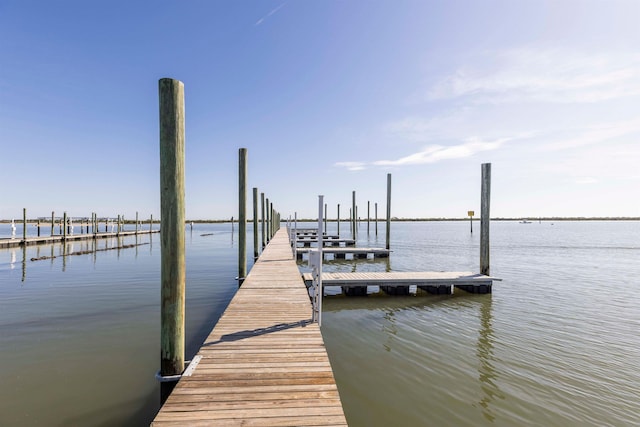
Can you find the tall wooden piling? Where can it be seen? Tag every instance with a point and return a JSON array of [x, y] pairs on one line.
[[388, 209], [368, 216], [172, 218], [255, 224], [353, 215], [268, 220], [376, 215], [485, 200], [24, 225], [53, 217], [338, 219], [64, 226], [242, 214], [136, 222], [263, 220], [325, 218], [271, 227]]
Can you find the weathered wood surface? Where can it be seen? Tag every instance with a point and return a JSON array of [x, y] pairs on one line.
[[263, 364], [401, 278]]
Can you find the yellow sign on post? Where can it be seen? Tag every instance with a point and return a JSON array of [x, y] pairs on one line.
[[471, 213]]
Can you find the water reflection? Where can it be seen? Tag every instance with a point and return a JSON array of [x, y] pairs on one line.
[[390, 328], [486, 372], [63, 250], [24, 262]]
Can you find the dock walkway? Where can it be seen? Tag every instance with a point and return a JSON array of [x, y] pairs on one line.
[[264, 363]]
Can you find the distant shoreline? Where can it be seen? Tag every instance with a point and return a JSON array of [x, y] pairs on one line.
[[222, 221]]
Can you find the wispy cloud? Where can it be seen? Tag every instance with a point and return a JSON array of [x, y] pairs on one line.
[[436, 153], [261, 20], [432, 154], [352, 166], [544, 74]]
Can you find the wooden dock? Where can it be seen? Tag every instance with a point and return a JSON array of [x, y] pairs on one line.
[[326, 242], [436, 282], [342, 252], [264, 363], [43, 240]]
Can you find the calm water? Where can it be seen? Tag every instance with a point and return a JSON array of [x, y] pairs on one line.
[[556, 344]]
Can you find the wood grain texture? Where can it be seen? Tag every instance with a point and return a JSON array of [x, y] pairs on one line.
[[264, 363]]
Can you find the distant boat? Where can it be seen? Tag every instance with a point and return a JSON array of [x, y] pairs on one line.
[[524, 221]]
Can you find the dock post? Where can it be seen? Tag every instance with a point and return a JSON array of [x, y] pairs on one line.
[[263, 221], [485, 199], [151, 223], [38, 227], [268, 221], [315, 261], [338, 219], [368, 216], [376, 214], [255, 224], [353, 215], [172, 217], [388, 209], [53, 217], [136, 222], [325, 219], [24, 226], [64, 227], [271, 228], [242, 215]]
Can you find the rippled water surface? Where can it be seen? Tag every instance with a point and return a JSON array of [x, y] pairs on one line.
[[556, 344]]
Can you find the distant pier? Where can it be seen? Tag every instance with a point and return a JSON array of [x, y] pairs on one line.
[[43, 240]]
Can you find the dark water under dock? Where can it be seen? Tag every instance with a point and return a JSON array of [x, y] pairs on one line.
[[556, 344]]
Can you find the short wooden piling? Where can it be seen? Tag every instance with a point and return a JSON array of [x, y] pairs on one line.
[[388, 209], [255, 224], [242, 214], [53, 217], [172, 218], [485, 199]]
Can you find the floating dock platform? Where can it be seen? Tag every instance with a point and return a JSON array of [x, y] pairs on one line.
[[435, 282], [341, 253]]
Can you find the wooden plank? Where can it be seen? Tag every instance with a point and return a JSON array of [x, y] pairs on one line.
[[264, 363]]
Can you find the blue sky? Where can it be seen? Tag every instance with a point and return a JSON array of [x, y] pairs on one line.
[[328, 97]]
